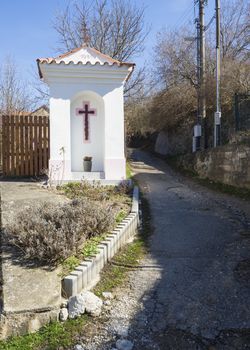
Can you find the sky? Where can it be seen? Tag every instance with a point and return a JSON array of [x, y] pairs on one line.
[[26, 27]]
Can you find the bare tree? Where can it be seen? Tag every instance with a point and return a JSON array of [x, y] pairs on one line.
[[175, 65], [175, 59], [235, 29], [114, 27], [15, 96], [40, 89]]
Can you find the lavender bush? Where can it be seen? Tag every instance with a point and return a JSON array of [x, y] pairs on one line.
[[50, 233]]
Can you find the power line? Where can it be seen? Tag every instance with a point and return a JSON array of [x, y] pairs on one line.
[[183, 17], [210, 22]]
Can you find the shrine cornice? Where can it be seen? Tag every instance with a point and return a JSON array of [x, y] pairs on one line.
[[78, 72]]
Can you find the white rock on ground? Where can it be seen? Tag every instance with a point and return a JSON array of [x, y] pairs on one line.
[[76, 306], [123, 344], [107, 295], [93, 304], [64, 304], [64, 314], [78, 347]]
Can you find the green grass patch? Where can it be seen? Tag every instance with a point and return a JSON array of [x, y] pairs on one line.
[[51, 337], [69, 265], [128, 170], [90, 248], [115, 274], [120, 216]]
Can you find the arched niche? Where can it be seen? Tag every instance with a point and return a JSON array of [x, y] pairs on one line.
[[87, 136]]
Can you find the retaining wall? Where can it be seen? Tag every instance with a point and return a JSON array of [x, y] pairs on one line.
[[229, 164]]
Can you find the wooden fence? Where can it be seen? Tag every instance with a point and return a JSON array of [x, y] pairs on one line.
[[25, 145]]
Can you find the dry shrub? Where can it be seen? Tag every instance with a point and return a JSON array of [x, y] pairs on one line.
[[97, 192], [49, 233]]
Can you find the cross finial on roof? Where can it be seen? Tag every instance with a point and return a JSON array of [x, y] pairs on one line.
[[85, 35]]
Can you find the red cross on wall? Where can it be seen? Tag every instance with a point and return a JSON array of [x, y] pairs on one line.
[[86, 111]]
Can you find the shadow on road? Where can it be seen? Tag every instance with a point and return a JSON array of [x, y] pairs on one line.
[[194, 291]]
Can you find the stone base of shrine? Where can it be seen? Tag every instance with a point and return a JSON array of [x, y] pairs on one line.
[[61, 172], [92, 175]]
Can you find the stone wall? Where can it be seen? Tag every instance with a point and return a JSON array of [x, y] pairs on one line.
[[229, 164], [177, 142]]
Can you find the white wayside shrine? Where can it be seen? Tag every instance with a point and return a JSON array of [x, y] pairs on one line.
[[86, 114]]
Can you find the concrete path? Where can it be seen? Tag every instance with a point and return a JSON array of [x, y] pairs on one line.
[[192, 291], [17, 195], [32, 294]]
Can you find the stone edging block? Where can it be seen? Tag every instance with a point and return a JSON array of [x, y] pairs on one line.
[[86, 274]]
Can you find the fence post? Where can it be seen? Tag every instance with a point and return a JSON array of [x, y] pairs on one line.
[[236, 111]]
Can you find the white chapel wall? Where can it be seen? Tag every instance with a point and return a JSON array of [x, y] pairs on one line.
[[108, 151], [95, 146]]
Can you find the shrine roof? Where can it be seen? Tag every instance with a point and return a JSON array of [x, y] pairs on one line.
[[83, 55]]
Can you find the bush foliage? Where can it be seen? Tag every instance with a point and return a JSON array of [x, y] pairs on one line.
[[97, 192], [50, 233]]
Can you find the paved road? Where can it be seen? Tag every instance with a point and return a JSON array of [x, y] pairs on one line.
[[193, 291]]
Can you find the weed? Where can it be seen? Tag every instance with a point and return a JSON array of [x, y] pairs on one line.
[[69, 264], [115, 274], [128, 170], [120, 216], [90, 248]]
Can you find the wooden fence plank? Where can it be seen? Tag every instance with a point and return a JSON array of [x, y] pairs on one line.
[[22, 172], [35, 146], [17, 122], [31, 146], [45, 153], [12, 146], [40, 145], [4, 143], [7, 146], [25, 145]]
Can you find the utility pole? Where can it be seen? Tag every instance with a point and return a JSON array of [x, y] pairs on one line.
[[203, 73], [217, 114], [197, 127]]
